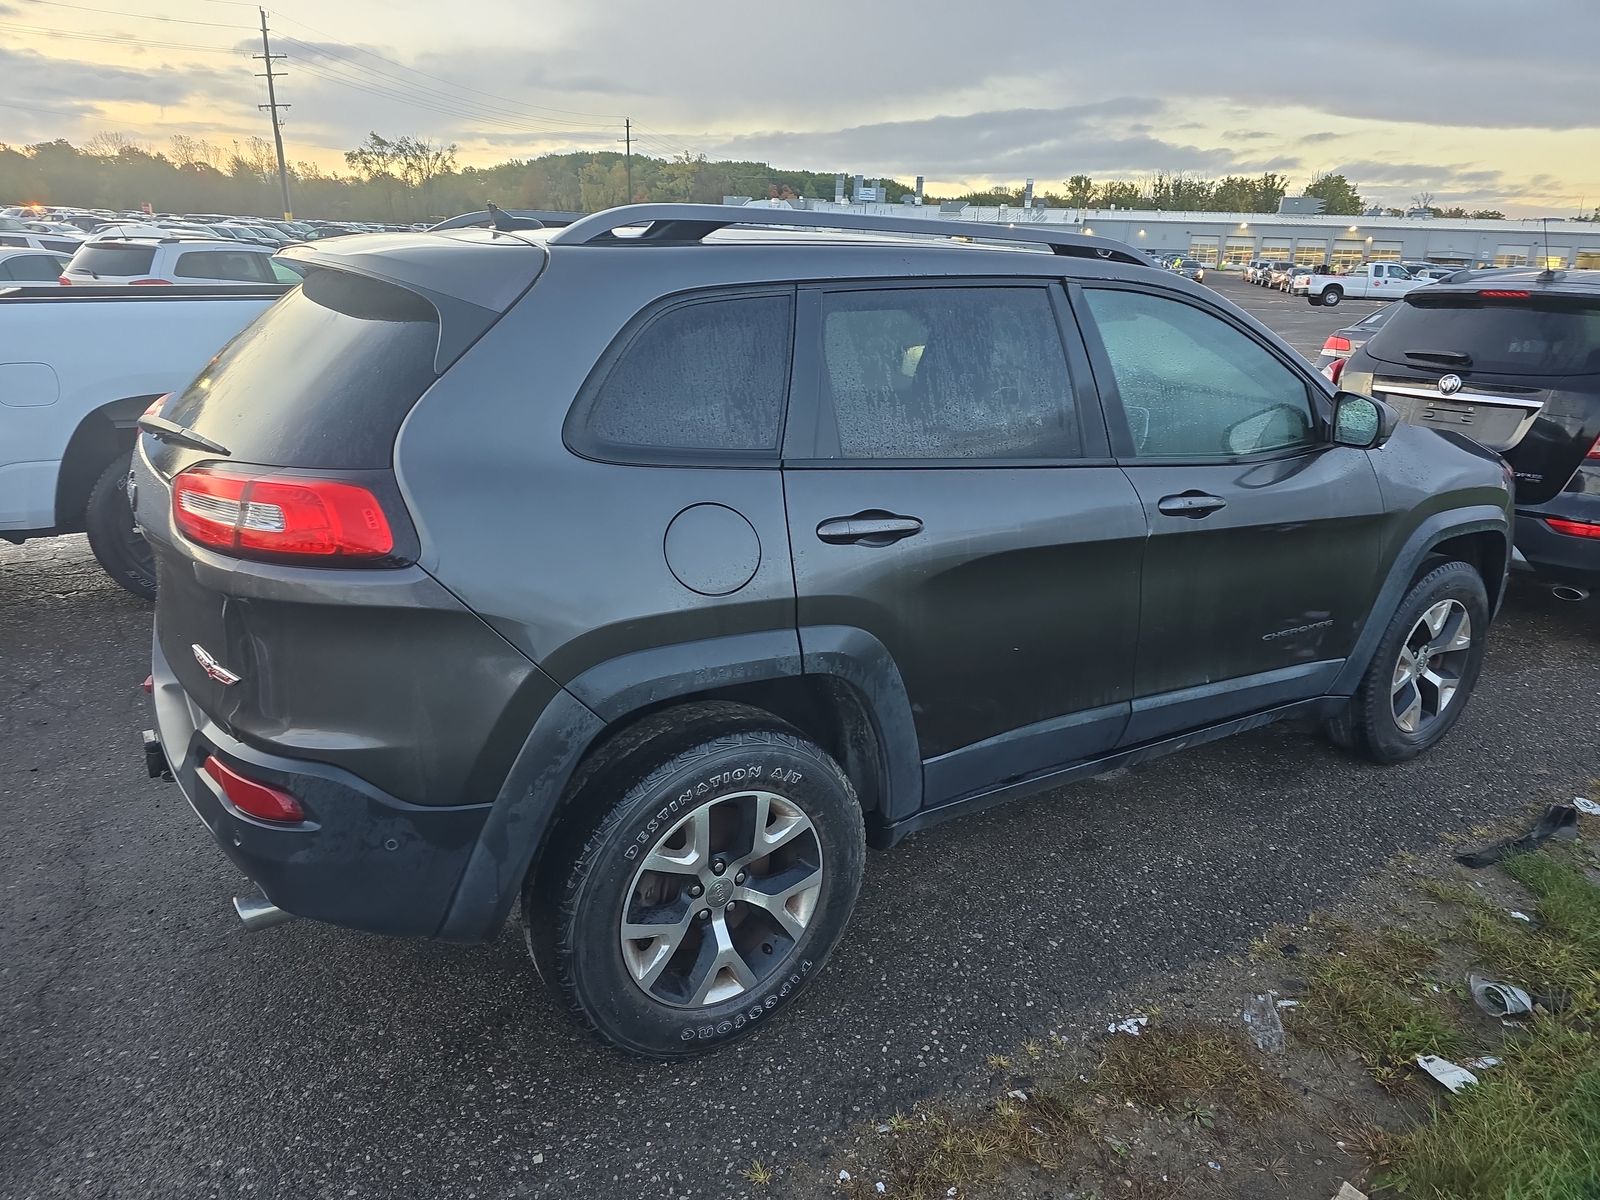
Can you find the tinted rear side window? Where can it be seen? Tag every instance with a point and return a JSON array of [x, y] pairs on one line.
[[706, 377], [323, 378], [1538, 336], [115, 261], [223, 264]]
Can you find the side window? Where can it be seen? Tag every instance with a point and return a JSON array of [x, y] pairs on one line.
[[223, 264], [949, 372], [710, 376], [1193, 386], [12, 239], [35, 267]]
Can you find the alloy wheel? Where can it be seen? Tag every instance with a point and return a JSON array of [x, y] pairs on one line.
[[1427, 671], [721, 900]]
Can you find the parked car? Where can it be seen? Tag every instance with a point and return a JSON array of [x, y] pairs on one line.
[[27, 239], [1364, 281], [158, 261], [1435, 273], [1341, 343], [1189, 268], [407, 692], [1278, 275], [1253, 268], [24, 265], [1265, 273], [1511, 358], [77, 368]]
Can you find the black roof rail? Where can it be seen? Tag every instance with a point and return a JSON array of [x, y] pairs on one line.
[[677, 224]]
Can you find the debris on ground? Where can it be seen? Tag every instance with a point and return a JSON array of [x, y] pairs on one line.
[[1446, 1072], [1499, 999], [1131, 1025], [1266, 1027], [1481, 1064], [1586, 806], [1558, 821], [1348, 1192]]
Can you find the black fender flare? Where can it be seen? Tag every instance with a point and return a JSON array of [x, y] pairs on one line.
[[1441, 527], [610, 692]]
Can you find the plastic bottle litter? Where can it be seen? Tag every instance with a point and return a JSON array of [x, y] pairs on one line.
[[1499, 999], [1265, 1026]]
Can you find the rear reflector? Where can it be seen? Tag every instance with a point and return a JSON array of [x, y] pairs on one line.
[[280, 516], [1500, 294], [1335, 343], [251, 798], [1581, 529]]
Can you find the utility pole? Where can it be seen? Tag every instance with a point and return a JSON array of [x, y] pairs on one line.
[[273, 106], [627, 154]]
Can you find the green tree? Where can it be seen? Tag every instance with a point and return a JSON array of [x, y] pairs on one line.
[[1489, 214], [1080, 192], [1338, 195], [1119, 193]]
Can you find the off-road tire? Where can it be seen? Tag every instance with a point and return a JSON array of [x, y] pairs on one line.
[[108, 520], [1368, 725], [674, 765]]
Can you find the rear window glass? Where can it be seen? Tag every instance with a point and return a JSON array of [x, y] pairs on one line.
[[323, 378], [1540, 336], [114, 261], [708, 376]]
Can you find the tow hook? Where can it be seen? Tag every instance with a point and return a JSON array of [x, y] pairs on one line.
[[155, 756]]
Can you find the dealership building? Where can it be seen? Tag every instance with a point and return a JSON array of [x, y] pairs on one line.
[[1232, 239]]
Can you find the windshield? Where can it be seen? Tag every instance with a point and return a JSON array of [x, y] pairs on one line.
[[1544, 335]]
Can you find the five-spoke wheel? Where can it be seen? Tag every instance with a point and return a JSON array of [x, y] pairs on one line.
[[1428, 669]]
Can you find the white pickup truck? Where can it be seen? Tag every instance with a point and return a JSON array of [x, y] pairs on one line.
[[1366, 281], [78, 367]]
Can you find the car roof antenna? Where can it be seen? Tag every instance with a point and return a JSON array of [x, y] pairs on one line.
[[1548, 274], [500, 219]]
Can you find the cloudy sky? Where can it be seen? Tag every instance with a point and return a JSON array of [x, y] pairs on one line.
[[1480, 102]]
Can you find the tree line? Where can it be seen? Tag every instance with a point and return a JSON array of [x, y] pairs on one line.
[[412, 179]]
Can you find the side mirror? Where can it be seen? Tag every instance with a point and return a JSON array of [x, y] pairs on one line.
[[1362, 422]]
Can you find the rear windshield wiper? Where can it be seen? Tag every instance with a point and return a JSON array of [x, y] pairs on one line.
[[1445, 356], [177, 435]]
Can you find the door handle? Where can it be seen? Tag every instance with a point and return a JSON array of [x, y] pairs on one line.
[[874, 527], [1191, 504]]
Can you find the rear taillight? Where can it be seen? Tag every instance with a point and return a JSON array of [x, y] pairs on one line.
[[1336, 345], [1583, 529], [251, 798], [1333, 370], [280, 516], [149, 283], [64, 281], [1594, 450], [155, 405]]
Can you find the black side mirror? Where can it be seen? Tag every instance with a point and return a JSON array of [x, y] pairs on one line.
[[1362, 422]]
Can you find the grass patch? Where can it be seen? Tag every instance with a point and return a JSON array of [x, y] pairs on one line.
[[1179, 1069]]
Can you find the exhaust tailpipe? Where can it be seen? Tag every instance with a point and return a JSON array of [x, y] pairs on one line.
[[1563, 591], [257, 912]]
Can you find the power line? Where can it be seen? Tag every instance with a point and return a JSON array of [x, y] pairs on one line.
[[112, 12], [116, 39], [607, 119]]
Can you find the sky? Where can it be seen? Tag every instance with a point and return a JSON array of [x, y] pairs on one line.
[[1478, 102]]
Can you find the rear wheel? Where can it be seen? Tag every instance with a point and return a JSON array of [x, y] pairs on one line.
[[116, 542], [1423, 671], [709, 893], [1331, 296]]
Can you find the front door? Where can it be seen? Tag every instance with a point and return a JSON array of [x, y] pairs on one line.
[[1263, 555], [950, 493]]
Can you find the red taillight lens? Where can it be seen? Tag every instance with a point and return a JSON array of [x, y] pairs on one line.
[[1333, 370], [149, 283], [155, 405], [1501, 294], [64, 281], [1594, 450], [251, 798], [280, 515], [1336, 343], [1583, 529]]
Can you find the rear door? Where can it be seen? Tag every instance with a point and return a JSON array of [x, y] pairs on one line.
[[949, 492], [1262, 560]]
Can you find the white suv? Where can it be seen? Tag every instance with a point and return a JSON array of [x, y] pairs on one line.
[[114, 262]]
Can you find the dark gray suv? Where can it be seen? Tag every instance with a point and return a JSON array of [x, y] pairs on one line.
[[639, 574]]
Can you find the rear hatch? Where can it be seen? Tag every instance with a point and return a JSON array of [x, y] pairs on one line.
[[111, 262], [285, 553], [1515, 368]]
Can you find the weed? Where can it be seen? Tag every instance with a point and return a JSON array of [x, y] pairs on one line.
[[1171, 1068], [758, 1173]]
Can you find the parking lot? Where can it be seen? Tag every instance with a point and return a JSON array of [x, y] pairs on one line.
[[156, 1049]]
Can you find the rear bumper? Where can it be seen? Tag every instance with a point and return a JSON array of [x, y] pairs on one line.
[[1560, 557], [361, 858]]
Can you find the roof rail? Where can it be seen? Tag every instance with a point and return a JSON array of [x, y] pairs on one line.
[[677, 224]]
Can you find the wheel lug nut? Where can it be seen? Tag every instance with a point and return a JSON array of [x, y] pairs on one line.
[[718, 867], [696, 890], [705, 914], [728, 906], [739, 878]]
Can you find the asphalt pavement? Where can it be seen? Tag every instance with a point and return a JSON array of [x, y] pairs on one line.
[[151, 1048]]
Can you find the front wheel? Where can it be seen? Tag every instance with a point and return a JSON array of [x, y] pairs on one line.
[[117, 543], [708, 896], [1423, 671]]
